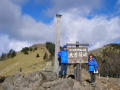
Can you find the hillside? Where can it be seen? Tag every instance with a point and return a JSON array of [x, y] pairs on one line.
[[108, 58], [25, 63], [38, 78]]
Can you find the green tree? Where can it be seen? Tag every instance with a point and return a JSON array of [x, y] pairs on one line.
[[11, 53], [3, 56], [35, 48], [51, 47], [25, 50], [37, 55], [30, 49]]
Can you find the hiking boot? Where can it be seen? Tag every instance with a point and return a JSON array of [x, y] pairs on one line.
[[60, 76], [64, 76]]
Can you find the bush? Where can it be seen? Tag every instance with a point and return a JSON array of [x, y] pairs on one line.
[[37, 55], [35, 48], [45, 56], [3, 56], [109, 63], [25, 50], [11, 53], [30, 49], [51, 47]]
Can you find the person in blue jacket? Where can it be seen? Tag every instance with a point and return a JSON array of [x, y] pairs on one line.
[[63, 54], [93, 67]]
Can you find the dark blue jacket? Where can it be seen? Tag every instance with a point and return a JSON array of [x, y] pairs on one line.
[[93, 66], [64, 56]]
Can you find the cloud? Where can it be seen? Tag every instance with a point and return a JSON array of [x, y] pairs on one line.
[[36, 31], [97, 31], [16, 28], [84, 6], [10, 17], [118, 1], [22, 27], [7, 44], [20, 2]]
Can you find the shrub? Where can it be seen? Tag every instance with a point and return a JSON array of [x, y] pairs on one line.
[[30, 49], [51, 47], [45, 56], [11, 53], [109, 63], [25, 50], [37, 55], [3, 56], [35, 48]]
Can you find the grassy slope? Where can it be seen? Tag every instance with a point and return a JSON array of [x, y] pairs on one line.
[[28, 63]]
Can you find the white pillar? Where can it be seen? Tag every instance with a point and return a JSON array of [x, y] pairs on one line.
[[57, 45]]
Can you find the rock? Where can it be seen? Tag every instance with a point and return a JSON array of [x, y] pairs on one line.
[[51, 83], [65, 84], [7, 86], [40, 88], [33, 77], [49, 75]]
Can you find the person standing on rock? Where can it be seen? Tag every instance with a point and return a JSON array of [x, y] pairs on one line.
[[93, 68], [63, 54]]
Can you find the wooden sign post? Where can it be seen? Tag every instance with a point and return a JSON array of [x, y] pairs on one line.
[[77, 54]]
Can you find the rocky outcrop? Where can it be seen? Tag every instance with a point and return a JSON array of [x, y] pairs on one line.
[[42, 80], [48, 80]]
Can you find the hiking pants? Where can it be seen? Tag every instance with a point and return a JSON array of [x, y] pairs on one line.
[[93, 76], [63, 70]]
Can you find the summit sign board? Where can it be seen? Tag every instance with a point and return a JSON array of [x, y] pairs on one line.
[[77, 53]]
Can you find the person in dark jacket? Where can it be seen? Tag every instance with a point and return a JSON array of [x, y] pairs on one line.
[[93, 67], [63, 54]]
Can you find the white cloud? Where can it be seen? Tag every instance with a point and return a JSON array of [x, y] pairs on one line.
[[20, 28], [20, 2], [118, 1], [97, 31], [84, 6], [7, 44]]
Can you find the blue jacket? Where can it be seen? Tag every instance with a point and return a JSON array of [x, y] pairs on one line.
[[93, 66], [64, 56]]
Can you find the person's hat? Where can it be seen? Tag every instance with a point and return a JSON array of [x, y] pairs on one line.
[[65, 46]]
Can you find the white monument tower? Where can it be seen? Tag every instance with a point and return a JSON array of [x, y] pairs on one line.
[[57, 45]]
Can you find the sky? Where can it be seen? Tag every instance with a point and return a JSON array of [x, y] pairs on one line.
[[26, 22]]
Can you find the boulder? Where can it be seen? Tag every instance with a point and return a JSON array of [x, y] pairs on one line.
[[65, 84], [49, 75]]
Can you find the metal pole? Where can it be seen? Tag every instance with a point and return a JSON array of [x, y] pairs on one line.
[[57, 46]]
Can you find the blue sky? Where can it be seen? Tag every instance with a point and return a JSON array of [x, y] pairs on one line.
[[26, 22], [38, 9]]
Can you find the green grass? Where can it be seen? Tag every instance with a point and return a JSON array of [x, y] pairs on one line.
[[29, 63]]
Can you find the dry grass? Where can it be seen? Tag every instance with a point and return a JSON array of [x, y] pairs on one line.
[[28, 63]]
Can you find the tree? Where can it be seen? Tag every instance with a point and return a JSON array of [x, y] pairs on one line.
[[51, 47], [30, 49], [3, 56], [37, 55], [11, 53], [25, 50], [35, 48]]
